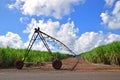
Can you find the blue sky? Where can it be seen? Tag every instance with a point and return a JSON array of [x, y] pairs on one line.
[[84, 23]]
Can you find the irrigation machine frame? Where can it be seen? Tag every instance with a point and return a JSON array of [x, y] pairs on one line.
[[56, 62]]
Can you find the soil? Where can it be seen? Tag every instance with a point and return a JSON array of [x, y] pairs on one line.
[[69, 64], [82, 65]]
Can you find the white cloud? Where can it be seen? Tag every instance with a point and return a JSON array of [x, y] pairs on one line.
[[90, 40], [111, 37], [24, 20], [117, 8], [105, 18], [111, 19], [67, 33], [48, 27], [55, 8], [63, 32], [11, 40], [17, 4], [109, 2]]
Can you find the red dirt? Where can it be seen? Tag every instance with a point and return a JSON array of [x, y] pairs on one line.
[[70, 64], [83, 65]]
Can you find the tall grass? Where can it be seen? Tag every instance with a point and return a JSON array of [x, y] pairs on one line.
[[9, 55], [107, 54]]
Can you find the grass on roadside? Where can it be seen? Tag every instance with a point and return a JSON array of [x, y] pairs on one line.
[[107, 54]]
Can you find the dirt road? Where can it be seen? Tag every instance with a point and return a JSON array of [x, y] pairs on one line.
[[81, 70]]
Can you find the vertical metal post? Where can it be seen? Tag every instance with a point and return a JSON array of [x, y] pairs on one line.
[[30, 45]]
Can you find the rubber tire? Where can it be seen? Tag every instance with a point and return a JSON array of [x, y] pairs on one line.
[[19, 64], [57, 64]]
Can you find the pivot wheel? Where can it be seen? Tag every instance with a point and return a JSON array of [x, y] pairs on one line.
[[19, 64], [57, 64]]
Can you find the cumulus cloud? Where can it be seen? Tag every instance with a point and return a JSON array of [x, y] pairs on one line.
[[111, 37], [16, 5], [109, 2], [54, 8], [11, 40], [63, 32], [67, 33], [24, 20], [90, 40], [111, 19]]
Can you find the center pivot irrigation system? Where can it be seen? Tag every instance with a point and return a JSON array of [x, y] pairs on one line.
[[56, 62]]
